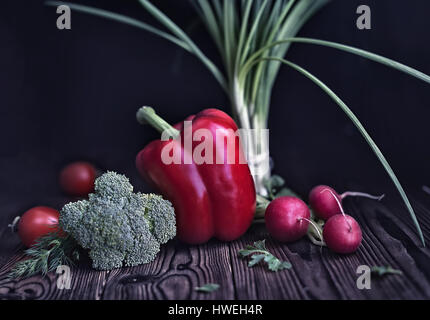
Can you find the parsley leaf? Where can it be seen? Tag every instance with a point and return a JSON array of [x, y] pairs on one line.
[[258, 252], [383, 270], [207, 288]]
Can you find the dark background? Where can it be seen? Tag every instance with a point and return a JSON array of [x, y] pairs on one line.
[[72, 95]]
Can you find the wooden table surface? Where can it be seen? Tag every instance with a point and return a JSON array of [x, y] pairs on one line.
[[389, 238]]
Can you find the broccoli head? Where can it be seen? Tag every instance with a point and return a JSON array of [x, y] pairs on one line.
[[119, 227]]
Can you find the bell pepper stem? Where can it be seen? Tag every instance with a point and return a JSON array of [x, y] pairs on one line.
[[147, 115]]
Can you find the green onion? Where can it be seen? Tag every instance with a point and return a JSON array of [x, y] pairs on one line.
[[253, 37]]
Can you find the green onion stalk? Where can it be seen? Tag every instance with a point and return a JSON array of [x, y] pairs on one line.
[[253, 38]]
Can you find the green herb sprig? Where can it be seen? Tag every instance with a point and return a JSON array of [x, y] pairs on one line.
[[258, 253], [384, 270], [208, 288], [46, 255]]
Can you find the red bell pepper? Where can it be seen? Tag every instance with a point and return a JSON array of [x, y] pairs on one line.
[[210, 200]]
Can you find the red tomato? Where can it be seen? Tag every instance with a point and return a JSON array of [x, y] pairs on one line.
[[77, 179], [37, 222]]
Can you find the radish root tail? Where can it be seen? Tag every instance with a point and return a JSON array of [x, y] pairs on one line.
[[361, 194], [317, 242], [14, 225], [340, 207]]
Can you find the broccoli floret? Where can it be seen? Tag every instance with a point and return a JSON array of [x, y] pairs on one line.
[[119, 227]]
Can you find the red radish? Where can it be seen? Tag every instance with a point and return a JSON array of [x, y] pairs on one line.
[[287, 218], [325, 204], [77, 179], [342, 234], [37, 222]]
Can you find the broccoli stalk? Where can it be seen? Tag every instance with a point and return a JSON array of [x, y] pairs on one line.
[[117, 226]]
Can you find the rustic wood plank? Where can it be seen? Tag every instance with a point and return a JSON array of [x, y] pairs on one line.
[[297, 283], [319, 273], [175, 273], [378, 248], [86, 283]]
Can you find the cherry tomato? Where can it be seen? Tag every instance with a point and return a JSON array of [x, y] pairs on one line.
[[37, 222], [77, 179]]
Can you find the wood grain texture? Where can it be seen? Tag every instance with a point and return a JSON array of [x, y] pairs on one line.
[[388, 239]]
